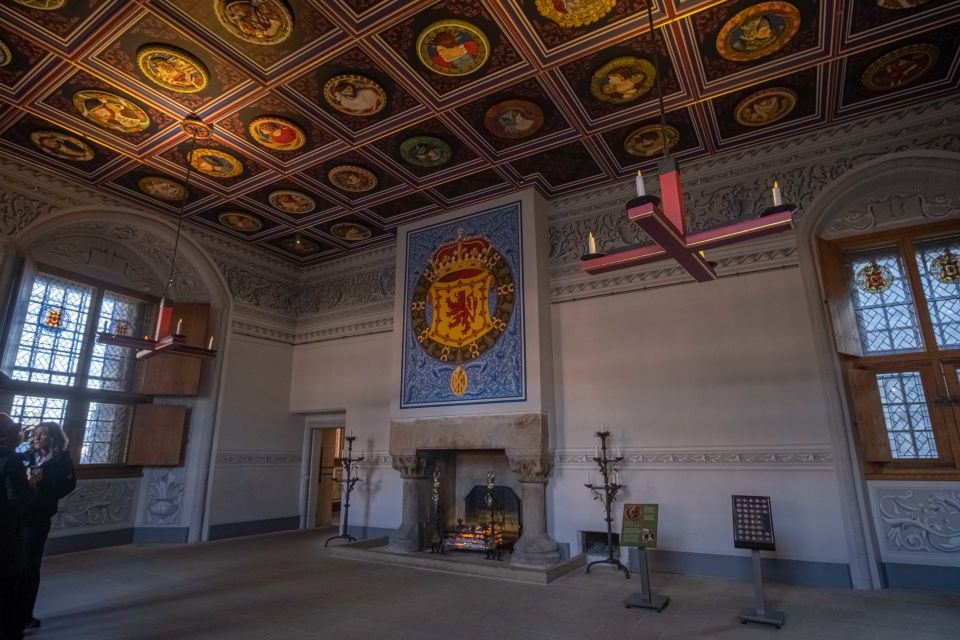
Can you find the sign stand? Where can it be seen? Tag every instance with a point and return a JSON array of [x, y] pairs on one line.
[[639, 531], [760, 614], [753, 529], [645, 599]]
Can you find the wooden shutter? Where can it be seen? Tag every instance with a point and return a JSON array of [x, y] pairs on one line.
[[836, 290], [157, 435], [868, 414]]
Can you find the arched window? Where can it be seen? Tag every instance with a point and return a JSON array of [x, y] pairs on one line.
[[895, 304], [57, 371]]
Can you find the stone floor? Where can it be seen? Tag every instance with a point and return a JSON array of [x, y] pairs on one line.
[[287, 586]]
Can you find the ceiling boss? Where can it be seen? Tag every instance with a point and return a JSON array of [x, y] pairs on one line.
[[575, 13], [462, 303]]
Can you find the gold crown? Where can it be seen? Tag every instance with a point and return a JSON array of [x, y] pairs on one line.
[[462, 253]]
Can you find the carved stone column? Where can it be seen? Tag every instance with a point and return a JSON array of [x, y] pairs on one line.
[[415, 470], [535, 548]]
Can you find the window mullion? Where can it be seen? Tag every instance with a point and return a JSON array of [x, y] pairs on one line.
[[919, 298], [89, 338]]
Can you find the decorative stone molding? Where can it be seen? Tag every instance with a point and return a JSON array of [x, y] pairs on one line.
[[890, 209], [258, 458], [255, 289], [97, 504], [413, 467], [17, 211], [165, 495], [531, 468], [924, 520], [821, 457], [351, 290]]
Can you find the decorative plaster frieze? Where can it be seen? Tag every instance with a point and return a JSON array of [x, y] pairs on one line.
[[919, 520], [255, 289], [332, 331], [17, 211], [815, 458], [165, 495], [97, 504], [351, 290], [258, 330], [258, 458], [877, 212]]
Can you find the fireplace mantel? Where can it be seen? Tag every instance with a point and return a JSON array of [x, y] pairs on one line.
[[515, 433]]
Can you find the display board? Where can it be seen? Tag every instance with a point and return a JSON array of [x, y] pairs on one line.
[[639, 527], [753, 523]]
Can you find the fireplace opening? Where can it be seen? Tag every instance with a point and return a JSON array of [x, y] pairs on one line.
[[595, 543], [491, 518]]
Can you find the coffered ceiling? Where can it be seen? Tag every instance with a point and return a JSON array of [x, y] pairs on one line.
[[335, 121]]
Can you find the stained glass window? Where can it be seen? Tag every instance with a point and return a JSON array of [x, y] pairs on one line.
[[886, 317], [29, 411], [906, 416], [937, 262], [111, 367], [105, 437], [53, 331]]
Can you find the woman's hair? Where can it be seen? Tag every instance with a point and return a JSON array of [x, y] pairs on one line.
[[58, 441]]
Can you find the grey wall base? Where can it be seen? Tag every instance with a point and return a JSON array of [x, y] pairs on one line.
[[921, 576], [799, 572], [115, 537], [363, 533], [253, 527]]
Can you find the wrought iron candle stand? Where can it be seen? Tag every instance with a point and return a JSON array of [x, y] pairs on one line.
[[607, 493], [493, 550], [346, 486]]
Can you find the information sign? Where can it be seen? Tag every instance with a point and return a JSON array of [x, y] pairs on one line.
[[639, 528], [752, 523]]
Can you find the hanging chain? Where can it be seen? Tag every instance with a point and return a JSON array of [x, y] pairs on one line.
[[183, 204]]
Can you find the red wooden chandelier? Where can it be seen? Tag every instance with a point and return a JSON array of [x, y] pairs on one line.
[[664, 221]]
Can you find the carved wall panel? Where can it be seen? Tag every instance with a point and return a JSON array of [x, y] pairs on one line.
[[102, 503], [918, 522], [165, 495]]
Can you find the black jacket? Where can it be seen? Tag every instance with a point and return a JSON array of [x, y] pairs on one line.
[[59, 479], [15, 492]]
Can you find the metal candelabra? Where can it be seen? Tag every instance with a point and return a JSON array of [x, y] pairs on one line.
[[607, 493], [346, 486]]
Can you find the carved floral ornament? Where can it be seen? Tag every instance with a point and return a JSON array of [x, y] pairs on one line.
[[921, 520], [531, 467], [413, 466]]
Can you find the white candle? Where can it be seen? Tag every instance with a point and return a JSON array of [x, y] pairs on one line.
[[179, 327], [592, 242], [640, 190], [210, 344], [620, 452], [777, 197], [598, 452]]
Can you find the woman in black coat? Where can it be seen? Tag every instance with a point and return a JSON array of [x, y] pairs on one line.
[[15, 492], [50, 470]]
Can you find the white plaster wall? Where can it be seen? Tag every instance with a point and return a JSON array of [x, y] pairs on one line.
[[257, 471], [352, 375], [727, 365]]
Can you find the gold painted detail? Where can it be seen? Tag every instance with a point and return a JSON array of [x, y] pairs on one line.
[[575, 13], [459, 381]]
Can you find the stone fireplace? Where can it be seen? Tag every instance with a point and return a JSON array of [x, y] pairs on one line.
[[474, 444]]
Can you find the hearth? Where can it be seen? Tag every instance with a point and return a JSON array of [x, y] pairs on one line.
[[492, 521]]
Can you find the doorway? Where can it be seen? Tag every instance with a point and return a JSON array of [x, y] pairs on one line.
[[323, 497]]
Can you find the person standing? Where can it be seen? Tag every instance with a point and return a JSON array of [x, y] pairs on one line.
[[51, 471], [15, 493]]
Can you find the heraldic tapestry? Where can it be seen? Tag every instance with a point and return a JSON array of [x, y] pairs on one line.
[[463, 338]]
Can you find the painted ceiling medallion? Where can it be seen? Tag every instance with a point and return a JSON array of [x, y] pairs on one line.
[[766, 106], [5, 55], [425, 151], [946, 268], [352, 178], [647, 141], [575, 13], [162, 188], [351, 231], [622, 80], [43, 5], [758, 31], [262, 22], [300, 246], [292, 202], [900, 4], [110, 111], [172, 68], [196, 128], [274, 132], [900, 67], [453, 48], [215, 163], [239, 221], [514, 119], [354, 95], [61, 145], [874, 279]]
